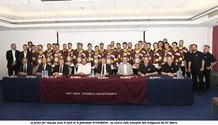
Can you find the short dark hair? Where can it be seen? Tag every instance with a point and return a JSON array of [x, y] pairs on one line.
[[118, 43], [89, 44], [48, 44], [195, 45], [207, 46], [24, 45], [124, 43], [101, 43], [96, 46], [175, 43], [40, 45], [149, 43], [69, 43], [56, 44], [140, 41], [30, 42], [53, 43]]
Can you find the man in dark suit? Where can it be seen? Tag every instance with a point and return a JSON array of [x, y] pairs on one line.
[[61, 68], [44, 67], [103, 68], [25, 68], [26, 54], [13, 60]]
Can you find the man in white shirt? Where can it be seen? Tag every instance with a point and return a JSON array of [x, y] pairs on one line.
[[84, 68]]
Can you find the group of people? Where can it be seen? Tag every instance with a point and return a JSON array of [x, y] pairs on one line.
[[163, 59]]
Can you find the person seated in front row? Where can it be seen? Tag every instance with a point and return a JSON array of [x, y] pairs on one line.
[[84, 68], [146, 68], [103, 68], [61, 68], [125, 68], [25, 68], [44, 67], [169, 68]]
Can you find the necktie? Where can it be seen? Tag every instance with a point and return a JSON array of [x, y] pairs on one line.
[[60, 69], [103, 70], [43, 68], [25, 69]]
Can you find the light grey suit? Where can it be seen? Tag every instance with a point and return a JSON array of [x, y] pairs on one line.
[[121, 69]]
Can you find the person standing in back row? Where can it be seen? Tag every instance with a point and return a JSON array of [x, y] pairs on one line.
[[196, 67], [210, 61]]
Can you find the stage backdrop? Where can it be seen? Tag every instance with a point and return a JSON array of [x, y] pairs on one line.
[[198, 35]]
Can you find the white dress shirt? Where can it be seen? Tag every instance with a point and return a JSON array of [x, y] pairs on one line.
[[13, 54], [25, 53], [105, 71], [125, 68], [86, 69]]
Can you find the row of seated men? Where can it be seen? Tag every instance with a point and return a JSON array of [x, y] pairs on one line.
[[103, 69]]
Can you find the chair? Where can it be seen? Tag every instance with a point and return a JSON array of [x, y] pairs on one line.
[[214, 101]]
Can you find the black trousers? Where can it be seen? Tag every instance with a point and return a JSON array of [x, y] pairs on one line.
[[114, 71], [188, 74], [135, 71], [183, 70], [207, 78], [12, 69], [197, 75]]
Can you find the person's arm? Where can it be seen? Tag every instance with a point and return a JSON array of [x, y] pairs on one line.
[[98, 70], [140, 71], [141, 74], [119, 70], [39, 70], [30, 70], [154, 71], [202, 62], [109, 70]]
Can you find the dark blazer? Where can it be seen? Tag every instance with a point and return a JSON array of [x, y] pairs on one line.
[[48, 68], [65, 69], [108, 68], [28, 56], [9, 57], [29, 69]]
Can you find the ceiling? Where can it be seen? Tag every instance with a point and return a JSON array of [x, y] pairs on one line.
[[22, 13]]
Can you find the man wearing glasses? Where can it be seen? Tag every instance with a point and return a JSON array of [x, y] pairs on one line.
[[25, 68]]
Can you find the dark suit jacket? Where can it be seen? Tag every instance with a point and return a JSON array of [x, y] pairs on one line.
[[48, 68], [29, 69], [108, 68], [65, 69], [28, 56], [10, 60]]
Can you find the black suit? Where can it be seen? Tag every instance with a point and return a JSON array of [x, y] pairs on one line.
[[10, 60], [28, 56], [65, 69], [48, 68], [108, 69], [29, 69]]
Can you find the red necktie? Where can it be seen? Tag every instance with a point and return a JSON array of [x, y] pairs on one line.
[[60, 69], [24, 69], [43, 68], [103, 69]]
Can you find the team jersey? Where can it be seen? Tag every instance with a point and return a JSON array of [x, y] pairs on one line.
[[110, 58], [40, 55], [78, 55], [182, 51], [56, 56], [34, 57], [69, 57], [89, 56], [48, 56], [168, 52], [137, 57], [102, 52], [64, 55], [96, 57], [149, 54], [157, 57]]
